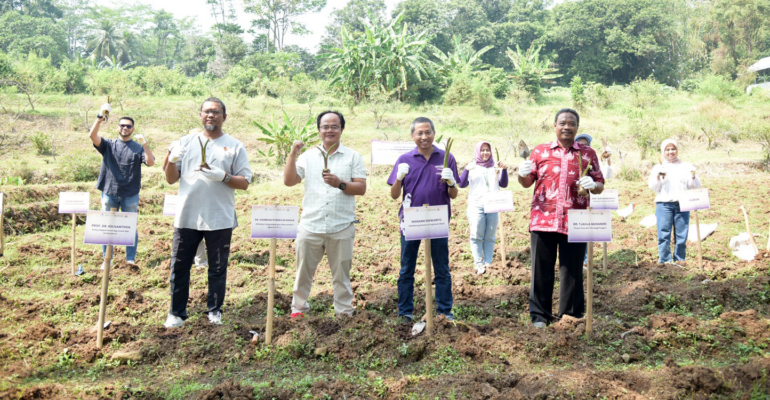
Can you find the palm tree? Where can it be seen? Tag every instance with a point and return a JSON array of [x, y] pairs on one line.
[[103, 41]]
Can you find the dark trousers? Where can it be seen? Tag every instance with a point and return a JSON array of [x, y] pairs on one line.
[[182, 254], [439, 253], [571, 297]]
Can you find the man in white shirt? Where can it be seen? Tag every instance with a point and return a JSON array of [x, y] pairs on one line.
[[328, 211], [205, 207]]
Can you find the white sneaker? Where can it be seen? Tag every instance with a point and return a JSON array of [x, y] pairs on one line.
[[215, 318], [539, 325], [201, 265], [130, 262], [481, 269], [172, 321], [105, 263]]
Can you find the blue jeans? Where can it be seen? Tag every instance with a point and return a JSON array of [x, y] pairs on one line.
[[123, 204], [483, 228], [668, 215], [439, 252]]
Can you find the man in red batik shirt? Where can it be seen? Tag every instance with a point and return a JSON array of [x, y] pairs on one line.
[[553, 168]]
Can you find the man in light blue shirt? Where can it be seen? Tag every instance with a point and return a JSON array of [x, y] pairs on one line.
[[328, 211]]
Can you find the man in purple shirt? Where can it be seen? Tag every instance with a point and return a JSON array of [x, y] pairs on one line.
[[420, 173]]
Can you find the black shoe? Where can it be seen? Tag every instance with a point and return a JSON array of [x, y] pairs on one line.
[[405, 319]]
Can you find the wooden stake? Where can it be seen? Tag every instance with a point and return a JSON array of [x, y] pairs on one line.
[[768, 240], [590, 289], [748, 230], [697, 230], [604, 256], [74, 228], [428, 287], [502, 241], [2, 228], [270, 294], [103, 302]]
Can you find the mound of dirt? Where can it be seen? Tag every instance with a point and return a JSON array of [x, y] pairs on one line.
[[131, 299], [228, 391], [41, 332]]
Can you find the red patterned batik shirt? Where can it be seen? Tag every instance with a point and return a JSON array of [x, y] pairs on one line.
[[555, 171]]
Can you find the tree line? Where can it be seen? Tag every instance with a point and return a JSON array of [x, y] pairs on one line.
[[424, 50]]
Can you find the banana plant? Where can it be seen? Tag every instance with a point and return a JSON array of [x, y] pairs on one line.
[[280, 136]]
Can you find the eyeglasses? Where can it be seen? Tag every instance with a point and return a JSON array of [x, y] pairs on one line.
[[330, 127], [211, 112], [127, 126]]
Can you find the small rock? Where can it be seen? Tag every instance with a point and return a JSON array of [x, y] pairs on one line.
[[488, 391], [130, 355], [279, 269], [321, 351], [705, 281]]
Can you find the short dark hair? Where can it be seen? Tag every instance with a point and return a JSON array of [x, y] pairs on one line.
[[215, 100], [422, 120], [339, 114], [128, 118], [567, 110]]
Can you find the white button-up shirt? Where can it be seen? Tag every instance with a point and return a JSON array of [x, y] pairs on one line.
[[327, 209]]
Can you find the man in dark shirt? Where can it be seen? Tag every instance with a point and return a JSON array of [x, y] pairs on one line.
[[121, 175]]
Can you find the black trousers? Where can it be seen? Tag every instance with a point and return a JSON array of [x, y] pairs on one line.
[[182, 254], [544, 246]]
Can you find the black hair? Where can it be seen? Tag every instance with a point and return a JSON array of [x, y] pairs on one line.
[[128, 118], [215, 100], [567, 110], [339, 114], [422, 120]]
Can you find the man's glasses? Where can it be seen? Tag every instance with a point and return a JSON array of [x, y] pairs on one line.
[[330, 127], [211, 112], [127, 126]]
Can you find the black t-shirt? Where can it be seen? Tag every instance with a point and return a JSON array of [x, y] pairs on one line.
[[121, 173]]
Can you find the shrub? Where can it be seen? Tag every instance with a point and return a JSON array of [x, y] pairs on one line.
[[244, 80], [282, 136], [647, 93], [467, 89], [598, 95], [718, 87], [577, 92], [42, 143], [79, 167]]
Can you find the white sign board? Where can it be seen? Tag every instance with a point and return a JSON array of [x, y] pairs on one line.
[[608, 200], [387, 153], [696, 199], [430, 222], [169, 205], [274, 222], [74, 202], [498, 201], [111, 227], [589, 226]]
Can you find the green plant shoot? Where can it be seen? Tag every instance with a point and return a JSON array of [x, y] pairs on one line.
[[325, 154], [204, 164]]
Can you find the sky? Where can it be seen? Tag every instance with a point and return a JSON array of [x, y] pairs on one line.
[[315, 23]]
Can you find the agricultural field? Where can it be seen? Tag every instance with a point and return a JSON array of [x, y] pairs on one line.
[[660, 331]]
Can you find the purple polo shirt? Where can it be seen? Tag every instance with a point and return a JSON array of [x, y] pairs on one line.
[[422, 185]]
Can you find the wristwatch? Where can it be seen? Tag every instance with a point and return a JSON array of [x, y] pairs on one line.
[[342, 186], [227, 178]]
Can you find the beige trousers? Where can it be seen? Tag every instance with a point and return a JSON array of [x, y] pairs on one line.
[[339, 251]]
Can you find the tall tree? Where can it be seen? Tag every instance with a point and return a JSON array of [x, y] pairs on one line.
[[279, 17], [24, 34], [225, 16], [32, 8], [744, 33], [352, 18]]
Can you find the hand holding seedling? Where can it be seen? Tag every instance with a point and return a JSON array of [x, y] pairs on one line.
[[104, 111], [326, 155], [331, 180], [448, 176], [140, 139], [213, 173], [502, 165], [525, 168], [585, 183], [204, 164]]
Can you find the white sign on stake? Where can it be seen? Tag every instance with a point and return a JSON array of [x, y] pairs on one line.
[[607, 200], [74, 202], [387, 153], [695, 199], [274, 222], [430, 222], [498, 201], [169, 205], [589, 226], [110, 227]]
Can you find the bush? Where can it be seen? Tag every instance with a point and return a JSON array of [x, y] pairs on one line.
[[244, 80], [598, 95], [42, 143], [718, 87], [467, 89], [79, 167], [577, 92], [499, 83], [646, 93]]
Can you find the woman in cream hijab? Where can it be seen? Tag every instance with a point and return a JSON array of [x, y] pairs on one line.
[[669, 180]]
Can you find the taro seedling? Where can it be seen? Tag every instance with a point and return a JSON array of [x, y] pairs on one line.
[[204, 164], [449, 143], [582, 192], [326, 154]]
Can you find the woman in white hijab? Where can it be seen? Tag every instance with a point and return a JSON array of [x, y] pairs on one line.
[[669, 179]]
